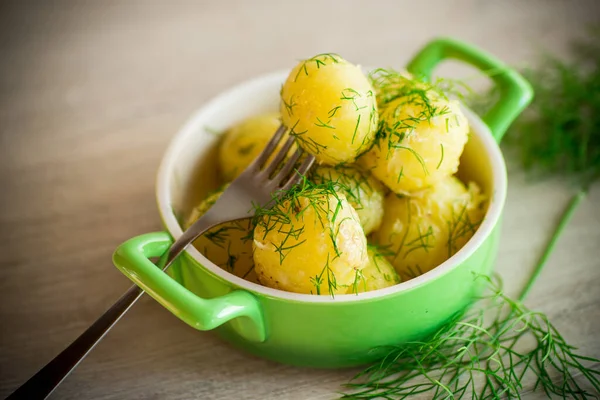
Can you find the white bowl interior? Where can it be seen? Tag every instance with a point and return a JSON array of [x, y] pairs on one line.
[[189, 171]]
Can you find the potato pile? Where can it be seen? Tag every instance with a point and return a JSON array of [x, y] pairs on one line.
[[382, 205]]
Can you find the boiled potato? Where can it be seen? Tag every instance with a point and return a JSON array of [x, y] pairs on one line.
[[378, 274], [424, 230], [243, 142], [310, 242], [330, 106], [228, 245], [422, 136], [362, 191]]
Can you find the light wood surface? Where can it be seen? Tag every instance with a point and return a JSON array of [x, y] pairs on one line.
[[92, 92]]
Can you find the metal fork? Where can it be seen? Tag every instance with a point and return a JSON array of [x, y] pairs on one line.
[[259, 184]]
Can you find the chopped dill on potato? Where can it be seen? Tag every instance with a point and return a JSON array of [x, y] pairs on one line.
[[421, 132], [390, 85], [320, 60], [362, 191], [309, 241], [422, 231], [377, 274]]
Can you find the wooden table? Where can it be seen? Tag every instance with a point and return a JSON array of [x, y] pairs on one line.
[[92, 92]]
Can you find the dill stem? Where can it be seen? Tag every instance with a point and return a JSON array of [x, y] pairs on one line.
[[566, 217]]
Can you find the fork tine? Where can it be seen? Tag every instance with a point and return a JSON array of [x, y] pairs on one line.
[[303, 169], [289, 164], [305, 166], [279, 157], [270, 147]]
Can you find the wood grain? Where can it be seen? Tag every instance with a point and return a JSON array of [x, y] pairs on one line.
[[92, 92]]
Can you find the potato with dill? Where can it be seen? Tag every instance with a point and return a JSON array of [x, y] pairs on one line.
[[422, 135], [310, 242], [228, 245], [330, 106], [362, 191], [243, 142], [422, 231], [378, 274]]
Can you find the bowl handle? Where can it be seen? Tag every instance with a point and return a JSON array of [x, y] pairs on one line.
[[515, 92], [132, 259]]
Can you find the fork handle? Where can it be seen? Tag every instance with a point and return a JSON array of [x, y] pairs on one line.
[[43, 383]]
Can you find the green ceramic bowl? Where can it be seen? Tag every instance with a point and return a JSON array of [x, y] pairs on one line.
[[309, 330]]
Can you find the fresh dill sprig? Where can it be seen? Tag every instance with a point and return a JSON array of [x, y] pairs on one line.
[[391, 85], [289, 105], [483, 354], [325, 275], [561, 132], [424, 240], [377, 259], [309, 143], [353, 183], [319, 60], [442, 149], [381, 250], [358, 278], [460, 226], [349, 94], [220, 235]]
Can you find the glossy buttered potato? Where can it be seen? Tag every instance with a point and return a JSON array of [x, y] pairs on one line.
[[242, 143], [422, 136], [423, 230], [310, 242], [378, 274], [330, 106], [362, 191], [228, 245]]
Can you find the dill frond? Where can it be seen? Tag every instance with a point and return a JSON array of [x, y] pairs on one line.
[[483, 354], [559, 133], [390, 85], [329, 277], [460, 228], [353, 183], [319, 60]]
